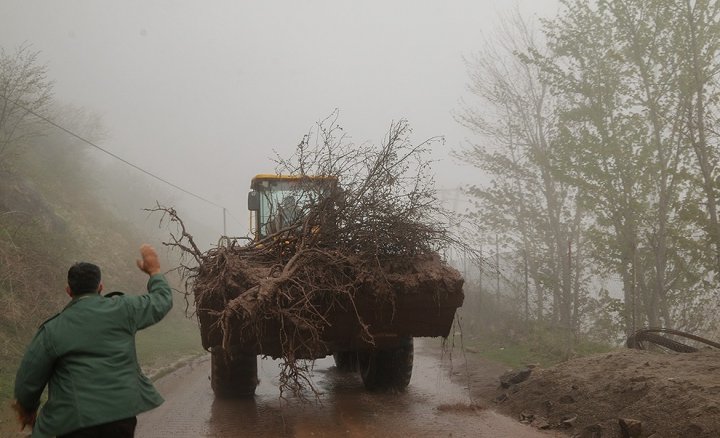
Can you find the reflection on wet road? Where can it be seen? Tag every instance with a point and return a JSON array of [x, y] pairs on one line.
[[432, 406]]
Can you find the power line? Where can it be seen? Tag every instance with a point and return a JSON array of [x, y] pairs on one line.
[[233, 217], [79, 137]]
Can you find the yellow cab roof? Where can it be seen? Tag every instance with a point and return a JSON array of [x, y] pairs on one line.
[[257, 179]]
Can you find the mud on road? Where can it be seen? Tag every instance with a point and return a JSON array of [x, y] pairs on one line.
[[432, 406]]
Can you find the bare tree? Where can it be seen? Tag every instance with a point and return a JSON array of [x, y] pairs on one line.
[[525, 199], [24, 87]]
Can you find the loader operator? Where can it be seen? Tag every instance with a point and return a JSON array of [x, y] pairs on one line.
[[86, 355]]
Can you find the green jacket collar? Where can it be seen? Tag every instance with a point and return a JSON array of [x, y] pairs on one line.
[[80, 298]]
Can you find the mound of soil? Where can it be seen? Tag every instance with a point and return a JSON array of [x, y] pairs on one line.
[[653, 394]]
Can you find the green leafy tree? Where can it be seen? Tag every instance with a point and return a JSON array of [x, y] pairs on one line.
[[616, 70], [601, 154], [696, 38]]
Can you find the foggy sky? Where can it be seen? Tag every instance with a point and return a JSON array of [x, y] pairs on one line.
[[201, 93]]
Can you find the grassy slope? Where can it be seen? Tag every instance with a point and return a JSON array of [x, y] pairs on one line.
[[69, 224], [173, 339], [544, 349], [502, 335]]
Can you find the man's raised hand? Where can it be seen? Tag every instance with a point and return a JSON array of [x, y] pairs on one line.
[[149, 262]]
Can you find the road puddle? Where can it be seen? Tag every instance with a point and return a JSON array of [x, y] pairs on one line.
[[432, 406]]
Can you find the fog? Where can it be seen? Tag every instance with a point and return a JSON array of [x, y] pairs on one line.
[[589, 158], [203, 93]]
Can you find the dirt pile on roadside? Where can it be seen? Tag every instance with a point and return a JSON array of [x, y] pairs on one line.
[[670, 395]]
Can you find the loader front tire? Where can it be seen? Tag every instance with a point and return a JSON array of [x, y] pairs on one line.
[[232, 376], [388, 369], [346, 361]]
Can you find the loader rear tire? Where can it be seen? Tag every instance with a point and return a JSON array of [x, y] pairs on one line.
[[388, 369], [232, 376]]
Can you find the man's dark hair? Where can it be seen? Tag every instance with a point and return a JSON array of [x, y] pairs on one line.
[[83, 278]]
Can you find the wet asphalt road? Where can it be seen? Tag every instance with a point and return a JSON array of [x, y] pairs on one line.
[[432, 406]]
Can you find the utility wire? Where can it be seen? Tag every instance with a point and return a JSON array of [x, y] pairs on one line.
[[150, 174], [233, 217]]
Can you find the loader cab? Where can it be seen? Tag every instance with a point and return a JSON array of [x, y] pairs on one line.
[[277, 201]]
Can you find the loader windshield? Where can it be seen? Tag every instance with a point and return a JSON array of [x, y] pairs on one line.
[[280, 206], [284, 200]]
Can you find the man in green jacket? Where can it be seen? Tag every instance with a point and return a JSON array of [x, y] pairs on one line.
[[86, 356]]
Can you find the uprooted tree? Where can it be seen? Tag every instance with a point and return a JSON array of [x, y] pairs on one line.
[[357, 256]]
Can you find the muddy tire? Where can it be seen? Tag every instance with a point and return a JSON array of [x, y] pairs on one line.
[[232, 377], [346, 361], [388, 369]]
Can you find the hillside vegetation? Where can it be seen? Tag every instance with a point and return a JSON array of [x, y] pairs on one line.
[[51, 216]]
